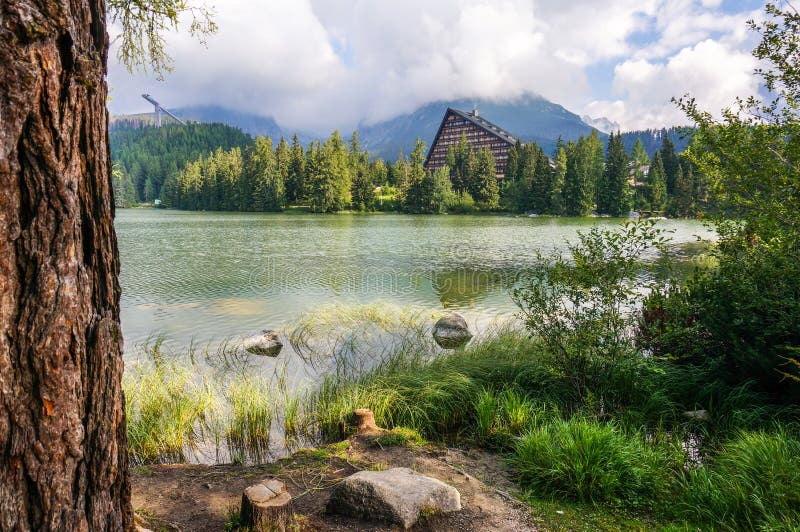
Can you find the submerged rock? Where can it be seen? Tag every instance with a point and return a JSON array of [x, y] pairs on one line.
[[699, 415], [451, 331], [266, 343], [396, 495]]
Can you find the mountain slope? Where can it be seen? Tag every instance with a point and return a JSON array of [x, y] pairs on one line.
[[529, 118], [249, 123]]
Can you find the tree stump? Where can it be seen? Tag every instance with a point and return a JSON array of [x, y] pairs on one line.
[[267, 507], [365, 421]]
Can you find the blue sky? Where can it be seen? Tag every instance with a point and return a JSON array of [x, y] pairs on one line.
[[320, 64]]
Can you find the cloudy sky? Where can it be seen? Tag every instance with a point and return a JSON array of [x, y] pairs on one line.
[[320, 64]]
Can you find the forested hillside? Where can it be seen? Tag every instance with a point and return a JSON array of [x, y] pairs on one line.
[[144, 156], [652, 139]]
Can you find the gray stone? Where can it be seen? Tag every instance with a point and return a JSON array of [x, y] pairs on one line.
[[397, 495], [451, 331], [264, 343], [699, 415]]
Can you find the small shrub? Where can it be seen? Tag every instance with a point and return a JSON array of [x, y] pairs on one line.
[[753, 483], [587, 461]]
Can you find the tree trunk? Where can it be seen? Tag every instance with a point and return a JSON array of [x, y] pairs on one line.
[[63, 449]]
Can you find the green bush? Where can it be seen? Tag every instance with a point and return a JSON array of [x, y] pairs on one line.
[[583, 460], [753, 483], [579, 306]]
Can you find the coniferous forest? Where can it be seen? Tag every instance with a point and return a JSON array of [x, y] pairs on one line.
[[219, 168]]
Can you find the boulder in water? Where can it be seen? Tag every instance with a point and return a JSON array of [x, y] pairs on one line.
[[266, 343], [451, 331]]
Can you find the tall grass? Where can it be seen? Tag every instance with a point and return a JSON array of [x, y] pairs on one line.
[[588, 461], [249, 418], [166, 409], [752, 483], [181, 403]]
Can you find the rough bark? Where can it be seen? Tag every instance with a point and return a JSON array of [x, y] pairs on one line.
[[365, 421], [267, 507], [63, 449]]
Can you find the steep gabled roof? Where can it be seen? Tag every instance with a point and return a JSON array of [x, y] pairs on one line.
[[478, 121], [485, 124]]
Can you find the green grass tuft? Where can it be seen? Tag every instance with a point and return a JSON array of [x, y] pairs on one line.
[[587, 461], [752, 483]]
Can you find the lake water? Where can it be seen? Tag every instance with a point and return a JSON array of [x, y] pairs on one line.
[[202, 277]]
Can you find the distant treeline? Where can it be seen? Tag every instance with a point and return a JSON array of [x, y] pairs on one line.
[[144, 156], [242, 174], [652, 139]]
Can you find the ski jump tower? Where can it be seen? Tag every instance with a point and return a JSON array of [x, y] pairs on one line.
[[157, 110]]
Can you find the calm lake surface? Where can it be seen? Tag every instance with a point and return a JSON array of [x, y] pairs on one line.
[[202, 277]]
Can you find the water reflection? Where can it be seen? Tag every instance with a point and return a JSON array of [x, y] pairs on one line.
[[207, 276]]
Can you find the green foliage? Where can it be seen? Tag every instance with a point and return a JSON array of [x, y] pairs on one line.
[[482, 185], [749, 308], [124, 189], [329, 176], [584, 460], [142, 153], [752, 483], [656, 186], [579, 306], [681, 203], [584, 169], [144, 25], [262, 177], [613, 191]]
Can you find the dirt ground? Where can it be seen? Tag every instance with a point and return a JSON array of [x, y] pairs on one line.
[[200, 498]]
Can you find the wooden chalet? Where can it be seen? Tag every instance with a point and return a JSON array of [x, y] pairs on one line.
[[480, 133]]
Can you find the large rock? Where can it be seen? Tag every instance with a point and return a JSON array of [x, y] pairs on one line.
[[397, 495], [451, 331], [264, 343]]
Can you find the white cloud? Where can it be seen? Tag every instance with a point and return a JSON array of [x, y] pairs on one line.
[[710, 71], [319, 64]]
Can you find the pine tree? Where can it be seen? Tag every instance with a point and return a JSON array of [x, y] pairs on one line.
[[460, 161], [542, 183], [613, 196], [656, 184], [557, 186], [414, 195], [595, 164], [671, 163], [441, 190], [329, 184], [680, 202], [267, 186], [638, 164], [578, 188], [295, 179], [483, 181], [283, 161]]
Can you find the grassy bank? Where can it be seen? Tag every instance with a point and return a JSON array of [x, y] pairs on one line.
[[610, 393]]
